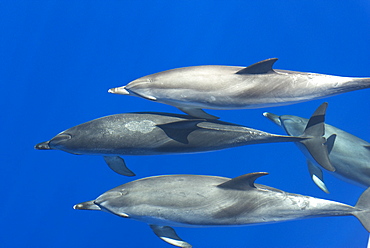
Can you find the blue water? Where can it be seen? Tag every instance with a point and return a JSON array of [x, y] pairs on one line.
[[59, 58]]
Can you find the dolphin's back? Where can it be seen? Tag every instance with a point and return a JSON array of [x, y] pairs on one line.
[[234, 87], [158, 133]]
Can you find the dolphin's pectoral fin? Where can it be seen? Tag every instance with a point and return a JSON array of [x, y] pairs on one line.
[[330, 142], [199, 113], [317, 176], [261, 67], [315, 143], [168, 234], [180, 130], [118, 165], [243, 182], [89, 205]]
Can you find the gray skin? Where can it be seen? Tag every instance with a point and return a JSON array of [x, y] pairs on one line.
[[349, 155], [192, 89], [161, 133], [204, 201]]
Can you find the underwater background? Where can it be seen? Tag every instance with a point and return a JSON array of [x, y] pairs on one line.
[[59, 58]]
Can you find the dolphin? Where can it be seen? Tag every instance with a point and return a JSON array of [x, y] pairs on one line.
[[194, 88], [204, 201], [150, 133], [348, 154]]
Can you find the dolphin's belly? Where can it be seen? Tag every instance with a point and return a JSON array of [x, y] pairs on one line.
[[351, 158], [197, 142], [352, 165], [145, 135], [239, 93]]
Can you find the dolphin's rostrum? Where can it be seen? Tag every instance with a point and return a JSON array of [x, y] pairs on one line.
[[161, 133], [192, 89], [348, 154], [202, 201]]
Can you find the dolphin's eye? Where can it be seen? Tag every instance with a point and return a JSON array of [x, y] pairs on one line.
[[124, 192]]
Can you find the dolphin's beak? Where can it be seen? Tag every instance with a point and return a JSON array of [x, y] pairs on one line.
[[43, 146], [274, 118], [89, 205], [119, 91]]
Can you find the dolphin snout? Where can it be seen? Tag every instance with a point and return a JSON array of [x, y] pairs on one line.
[[43, 146], [119, 90], [89, 205], [274, 118]]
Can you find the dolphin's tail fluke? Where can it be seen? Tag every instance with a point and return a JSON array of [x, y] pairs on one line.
[[314, 144], [363, 209]]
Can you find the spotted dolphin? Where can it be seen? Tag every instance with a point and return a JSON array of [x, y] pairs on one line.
[[161, 133], [348, 154], [170, 201], [194, 88]]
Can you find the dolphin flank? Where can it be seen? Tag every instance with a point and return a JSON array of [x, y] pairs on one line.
[[170, 201], [161, 133], [194, 88]]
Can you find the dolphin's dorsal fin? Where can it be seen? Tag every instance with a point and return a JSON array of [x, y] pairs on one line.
[[243, 182], [262, 67], [180, 130]]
